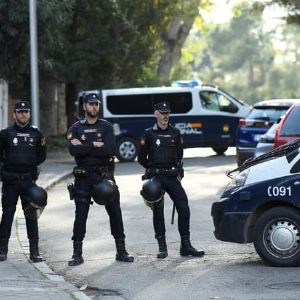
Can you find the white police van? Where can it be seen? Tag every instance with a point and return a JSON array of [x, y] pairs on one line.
[[262, 205], [206, 115]]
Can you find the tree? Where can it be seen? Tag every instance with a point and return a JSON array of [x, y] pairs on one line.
[[14, 35], [292, 8], [236, 55], [174, 36], [90, 44]]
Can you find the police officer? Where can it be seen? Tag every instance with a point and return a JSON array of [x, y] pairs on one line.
[[161, 153], [22, 149], [92, 142]]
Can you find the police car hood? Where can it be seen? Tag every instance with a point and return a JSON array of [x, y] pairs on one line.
[[270, 169], [282, 161]]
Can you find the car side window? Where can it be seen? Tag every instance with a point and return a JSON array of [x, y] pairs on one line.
[[217, 102], [209, 100]]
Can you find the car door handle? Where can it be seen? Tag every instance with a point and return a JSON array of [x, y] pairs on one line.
[[296, 182]]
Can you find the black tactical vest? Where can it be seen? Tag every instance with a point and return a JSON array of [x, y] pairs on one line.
[[21, 149], [163, 151]]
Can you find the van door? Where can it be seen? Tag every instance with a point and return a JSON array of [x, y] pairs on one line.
[[190, 127], [220, 119]]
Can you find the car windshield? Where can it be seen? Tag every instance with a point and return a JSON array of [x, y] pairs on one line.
[[291, 125], [266, 113]]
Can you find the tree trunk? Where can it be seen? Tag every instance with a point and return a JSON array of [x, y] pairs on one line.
[[53, 113], [61, 107], [250, 76], [71, 96], [173, 40]]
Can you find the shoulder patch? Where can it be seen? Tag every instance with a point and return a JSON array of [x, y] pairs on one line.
[[69, 135], [104, 121], [34, 127]]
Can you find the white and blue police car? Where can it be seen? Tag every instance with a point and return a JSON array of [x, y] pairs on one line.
[[261, 204]]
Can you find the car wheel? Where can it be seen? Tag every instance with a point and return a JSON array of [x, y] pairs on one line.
[[276, 237], [220, 150], [126, 150]]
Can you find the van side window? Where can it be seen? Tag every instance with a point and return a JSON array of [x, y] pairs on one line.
[[179, 102], [142, 104], [130, 104], [217, 102]]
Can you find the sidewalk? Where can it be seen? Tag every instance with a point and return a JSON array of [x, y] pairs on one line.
[[19, 278]]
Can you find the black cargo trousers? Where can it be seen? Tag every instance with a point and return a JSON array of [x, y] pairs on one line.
[[10, 195], [82, 196], [173, 187]]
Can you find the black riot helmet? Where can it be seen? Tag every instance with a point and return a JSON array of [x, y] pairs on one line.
[[104, 192], [37, 201], [152, 191]]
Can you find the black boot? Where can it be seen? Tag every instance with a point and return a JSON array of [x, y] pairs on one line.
[[3, 249], [77, 258], [34, 251], [187, 249], [122, 254], [162, 247]]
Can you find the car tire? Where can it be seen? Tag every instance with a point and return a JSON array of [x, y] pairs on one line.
[[126, 150], [276, 237], [220, 150]]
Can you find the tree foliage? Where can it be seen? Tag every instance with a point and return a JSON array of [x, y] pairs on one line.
[[92, 43], [292, 8], [236, 56], [14, 34], [243, 56]]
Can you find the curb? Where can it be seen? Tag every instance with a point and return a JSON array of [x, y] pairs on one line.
[[42, 266]]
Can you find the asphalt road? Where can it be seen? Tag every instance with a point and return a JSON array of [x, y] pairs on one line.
[[228, 271]]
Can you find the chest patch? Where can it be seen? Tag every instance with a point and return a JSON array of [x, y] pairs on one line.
[[90, 130]]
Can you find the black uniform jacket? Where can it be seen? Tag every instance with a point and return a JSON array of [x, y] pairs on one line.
[[86, 155], [22, 149], [160, 148]]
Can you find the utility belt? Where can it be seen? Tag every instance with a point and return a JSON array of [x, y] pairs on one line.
[[12, 176], [79, 172], [161, 171]]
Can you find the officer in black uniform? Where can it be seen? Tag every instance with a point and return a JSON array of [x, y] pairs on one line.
[[161, 153], [22, 149], [92, 142]]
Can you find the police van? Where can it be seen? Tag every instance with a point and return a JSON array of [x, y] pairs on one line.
[[206, 115], [262, 205]]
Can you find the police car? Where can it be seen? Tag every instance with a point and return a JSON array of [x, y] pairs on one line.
[[262, 205], [206, 115]]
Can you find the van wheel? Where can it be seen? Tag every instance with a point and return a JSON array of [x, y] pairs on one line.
[[276, 237], [220, 150], [126, 150]]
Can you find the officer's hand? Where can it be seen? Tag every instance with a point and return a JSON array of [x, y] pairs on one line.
[[75, 142], [98, 144]]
